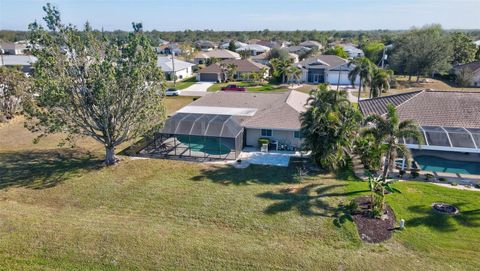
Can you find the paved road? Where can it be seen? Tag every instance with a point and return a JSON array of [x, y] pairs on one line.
[[197, 89]]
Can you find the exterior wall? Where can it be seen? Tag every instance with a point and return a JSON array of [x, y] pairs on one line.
[[332, 78], [282, 136], [181, 74]]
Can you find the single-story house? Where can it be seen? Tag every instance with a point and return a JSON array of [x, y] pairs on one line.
[[182, 70], [352, 51], [221, 124], [12, 48], [298, 50], [205, 45], [221, 54], [25, 62], [168, 49], [226, 45], [474, 68], [449, 121], [214, 72], [312, 44], [255, 49], [329, 69], [263, 58]]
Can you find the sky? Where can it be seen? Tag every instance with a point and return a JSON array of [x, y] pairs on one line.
[[240, 15]]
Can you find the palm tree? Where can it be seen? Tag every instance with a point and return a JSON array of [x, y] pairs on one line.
[[387, 131], [380, 82], [280, 68], [294, 74], [363, 68], [329, 127]]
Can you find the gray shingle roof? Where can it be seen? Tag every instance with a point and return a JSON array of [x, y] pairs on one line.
[[274, 110], [326, 60], [13, 60], [243, 65], [431, 108]]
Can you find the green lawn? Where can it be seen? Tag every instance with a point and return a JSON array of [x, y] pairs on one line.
[[264, 87], [60, 211], [183, 84]]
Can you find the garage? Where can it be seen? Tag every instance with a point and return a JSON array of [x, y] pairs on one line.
[[333, 78], [209, 77]]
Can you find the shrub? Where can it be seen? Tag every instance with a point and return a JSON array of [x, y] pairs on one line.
[[262, 141], [442, 179], [453, 183], [414, 174], [401, 172], [477, 185], [428, 176]]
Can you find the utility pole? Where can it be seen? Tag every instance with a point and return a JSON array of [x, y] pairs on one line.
[[173, 69], [338, 81]]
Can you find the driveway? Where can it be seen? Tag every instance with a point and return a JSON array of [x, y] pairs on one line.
[[197, 89]]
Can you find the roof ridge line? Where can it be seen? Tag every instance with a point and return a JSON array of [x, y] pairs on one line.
[[408, 100]]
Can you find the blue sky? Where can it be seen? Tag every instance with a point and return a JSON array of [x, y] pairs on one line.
[[249, 14]]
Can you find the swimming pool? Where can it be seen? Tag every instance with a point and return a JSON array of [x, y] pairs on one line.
[[271, 159], [437, 164]]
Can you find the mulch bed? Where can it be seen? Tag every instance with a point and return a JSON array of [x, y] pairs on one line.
[[373, 230]]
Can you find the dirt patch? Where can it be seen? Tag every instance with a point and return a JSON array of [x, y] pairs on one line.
[[373, 230]]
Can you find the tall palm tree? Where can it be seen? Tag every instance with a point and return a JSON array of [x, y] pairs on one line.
[[362, 68], [380, 82], [329, 127], [280, 68], [294, 74], [387, 131]]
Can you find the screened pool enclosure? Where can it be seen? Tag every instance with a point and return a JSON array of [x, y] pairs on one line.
[[447, 139], [207, 136]]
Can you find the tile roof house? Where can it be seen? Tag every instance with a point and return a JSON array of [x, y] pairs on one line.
[[275, 116], [255, 49], [299, 50], [312, 44], [263, 58], [183, 69], [12, 48], [449, 120], [474, 68], [214, 72], [352, 51], [329, 69], [226, 45], [222, 54]]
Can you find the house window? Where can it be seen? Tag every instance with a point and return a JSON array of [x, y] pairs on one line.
[[266, 132], [297, 134]]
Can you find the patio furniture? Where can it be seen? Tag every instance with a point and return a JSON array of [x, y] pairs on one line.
[[264, 148]]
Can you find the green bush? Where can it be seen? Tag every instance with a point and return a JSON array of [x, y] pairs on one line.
[[428, 176], [477, 185], [414, 174], [442, 179], [262, 141], [453, 183]]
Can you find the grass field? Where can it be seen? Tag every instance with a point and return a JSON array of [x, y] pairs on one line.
[[183, 84], [59, 210]]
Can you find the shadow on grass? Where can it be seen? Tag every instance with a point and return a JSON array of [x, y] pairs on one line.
[[310, 200], [443, 222], [42, 169]]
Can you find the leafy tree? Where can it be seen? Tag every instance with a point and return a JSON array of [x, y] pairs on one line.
[[369, 152], [378, 186], [422, 52], [363, 69], [388, 131], [464, 77], [380, 82], [337, 51], [108, 90], [373, 51], [187, 51], [477, 55], [231, 46], [245, 54], [228, 70], [464, 49], [14, 86], [329, 127], [277, 52]]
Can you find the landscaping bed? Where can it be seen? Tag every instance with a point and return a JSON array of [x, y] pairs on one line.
[[371, 229]]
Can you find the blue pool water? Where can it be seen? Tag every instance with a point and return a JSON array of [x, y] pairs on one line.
[[437, 164], [272, 159]]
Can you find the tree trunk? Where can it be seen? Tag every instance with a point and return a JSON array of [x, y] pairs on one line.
[[409, 78], [386, 166], [110, 155], [418, 78], [359, 90]]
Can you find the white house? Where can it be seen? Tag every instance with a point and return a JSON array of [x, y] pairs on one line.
[[183, 69], [25, 62], [255, 49], [329, 69], [352, 51], [472, 67]]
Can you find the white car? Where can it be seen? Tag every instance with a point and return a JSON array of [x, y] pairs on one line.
[[172, 92]]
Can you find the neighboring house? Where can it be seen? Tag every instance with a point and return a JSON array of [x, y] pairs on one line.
[[329, 69], [449, 120], [223, 123], [205, 45], [312, 44], [238, 44], [474, 68], [352, 51], [221, 54], [168, 49], [215, 73], [11, 48], [477, 43], [183, 69], [271, 44], [23, 61], [263, 58], [298, 50], [255, 49]]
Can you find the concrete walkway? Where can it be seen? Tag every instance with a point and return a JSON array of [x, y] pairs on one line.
[[197, 89]]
